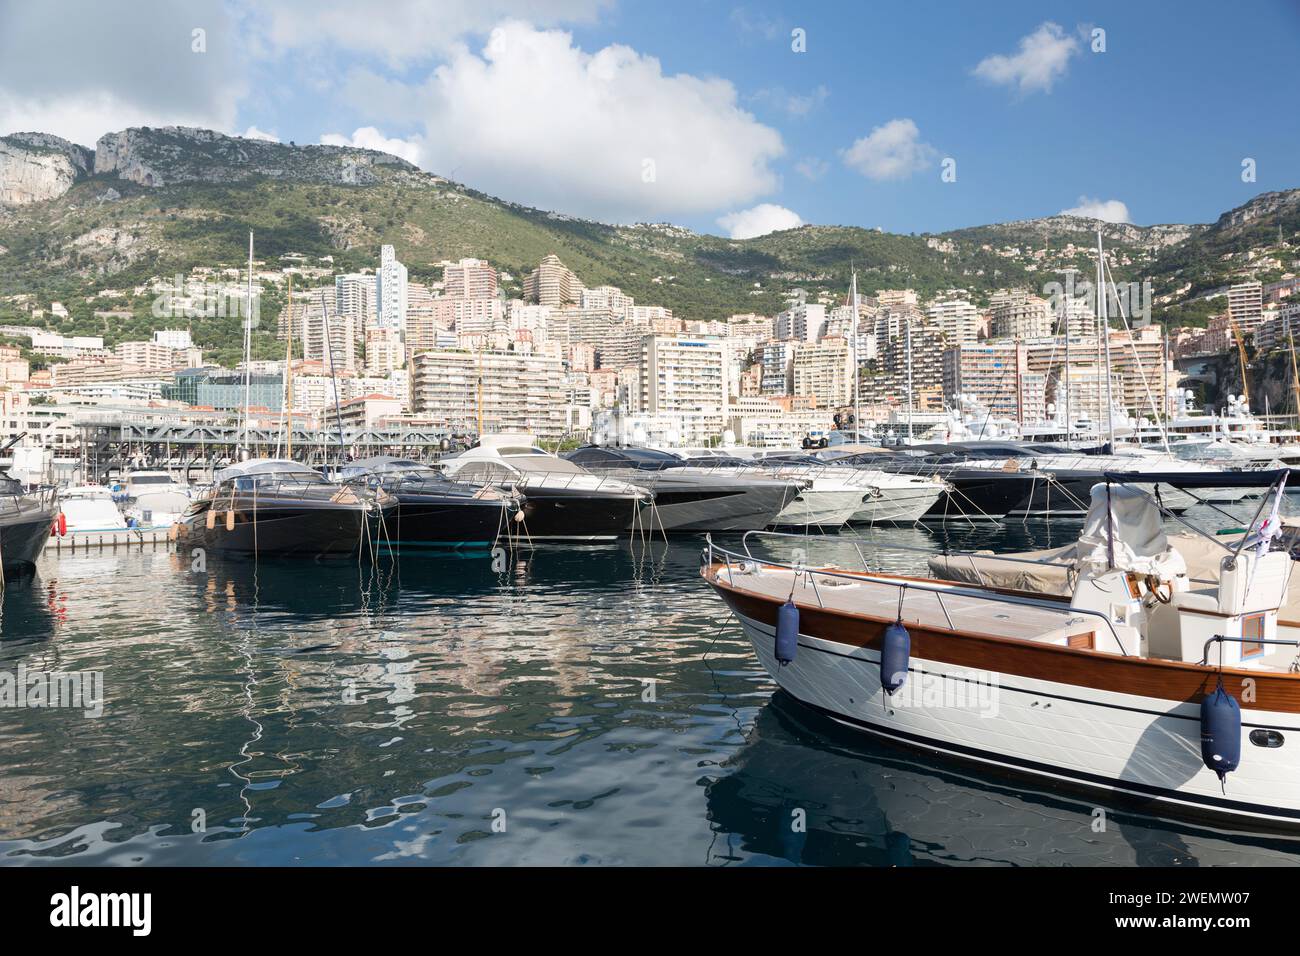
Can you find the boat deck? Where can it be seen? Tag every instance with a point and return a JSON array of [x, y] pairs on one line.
[[943, 606]]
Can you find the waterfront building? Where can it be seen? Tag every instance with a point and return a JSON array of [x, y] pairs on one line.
[[823, 372], [682, 374], [516, 392], [801, 322]]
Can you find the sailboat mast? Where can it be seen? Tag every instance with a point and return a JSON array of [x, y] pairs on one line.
[[910, 399], [248, 348], [288, 378], [1065, 328], [1104, 331], [857, 397]]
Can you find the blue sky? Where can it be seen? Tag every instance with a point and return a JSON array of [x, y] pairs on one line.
[[701, 113]]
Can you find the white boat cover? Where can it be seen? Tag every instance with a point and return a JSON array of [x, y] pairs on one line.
[[1123, 530], [264, 466]]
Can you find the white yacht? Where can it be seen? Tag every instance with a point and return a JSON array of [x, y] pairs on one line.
[[155, 499]]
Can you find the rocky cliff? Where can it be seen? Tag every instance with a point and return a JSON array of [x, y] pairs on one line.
[[178, 154], [37, 166]]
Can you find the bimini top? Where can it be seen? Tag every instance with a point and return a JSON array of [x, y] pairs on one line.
[[265, 466], [1123, 530]]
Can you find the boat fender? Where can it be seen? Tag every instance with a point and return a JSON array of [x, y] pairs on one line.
[[1220, 732], [63, 525], [895, 650], [787, 631], [230, 520]]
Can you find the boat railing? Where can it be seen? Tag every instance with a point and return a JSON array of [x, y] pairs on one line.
[[938, 590], [38, 500]]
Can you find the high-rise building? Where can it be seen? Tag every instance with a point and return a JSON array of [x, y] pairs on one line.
[[551, 283], [957, 319], [682, 374], [1246, 305], [609, 298], [1019, 315], [515, 392], [384, 351], [390, 289], [355, 295], [823, 371], [469, 279], [801, 322]]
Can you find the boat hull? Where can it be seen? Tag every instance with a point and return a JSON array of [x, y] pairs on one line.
[[580, 515], [281, 529], [970, 705], [741, 508], [23, 539], [443, 521], [820, 509], [980, 495], [897, 505]]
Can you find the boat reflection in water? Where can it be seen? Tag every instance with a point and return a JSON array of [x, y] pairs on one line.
[[272, 506], [867, 802]]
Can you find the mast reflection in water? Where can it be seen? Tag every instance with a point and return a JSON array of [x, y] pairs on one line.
[[573, 704]]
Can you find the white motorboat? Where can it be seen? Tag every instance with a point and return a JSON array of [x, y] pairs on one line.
[[90, 508], [1136, 684], [155, 499]]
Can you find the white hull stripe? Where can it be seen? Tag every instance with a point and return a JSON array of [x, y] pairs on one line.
[[1039, 693]]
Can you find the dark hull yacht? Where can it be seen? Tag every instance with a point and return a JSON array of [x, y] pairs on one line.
[[273, 507], [690, 499], [431, 509], [562, 500]]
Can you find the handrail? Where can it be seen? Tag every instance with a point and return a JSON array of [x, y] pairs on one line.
[[955, 589], [905, 547]]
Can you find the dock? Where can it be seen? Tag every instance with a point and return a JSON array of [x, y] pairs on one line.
[[76, 541]]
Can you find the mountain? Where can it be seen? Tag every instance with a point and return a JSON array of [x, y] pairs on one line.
[[154, 202]]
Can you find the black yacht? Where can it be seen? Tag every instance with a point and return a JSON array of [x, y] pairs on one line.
[[26, 520], [432, 510], [272, 506], [689, 498], [562, 500]]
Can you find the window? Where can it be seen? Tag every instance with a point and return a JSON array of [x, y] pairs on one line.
[[1252, 635]]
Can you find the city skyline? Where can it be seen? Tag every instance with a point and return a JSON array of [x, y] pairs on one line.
[[729, 118]]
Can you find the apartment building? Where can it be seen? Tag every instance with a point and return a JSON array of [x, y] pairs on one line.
[[552, 283], [682, 374], [516, 392], [469, 279], [823, 372]]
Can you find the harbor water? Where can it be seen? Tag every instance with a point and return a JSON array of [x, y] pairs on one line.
[[561, 705]]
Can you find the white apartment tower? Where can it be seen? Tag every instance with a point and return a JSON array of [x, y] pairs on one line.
[[390, 289]]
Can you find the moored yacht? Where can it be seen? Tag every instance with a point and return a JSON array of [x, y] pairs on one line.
[[273, 506], [155, 499], [691, 498], [433, 510], [1138, 684], [27, 519], [562, 500]]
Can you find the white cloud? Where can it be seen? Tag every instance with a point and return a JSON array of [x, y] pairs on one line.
[[606, 135], [367, 137], [407, 31], [254, 133], [1107, 210], [759, 221], [747, 21], [1043, 58], [891, 151], [796, 105], [118, 65], [812, 168]]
